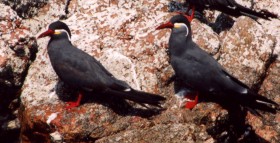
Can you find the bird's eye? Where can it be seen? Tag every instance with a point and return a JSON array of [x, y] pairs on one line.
[[57, 32], [179, 25]]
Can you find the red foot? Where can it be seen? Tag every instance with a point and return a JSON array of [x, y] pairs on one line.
[[76, 103], [191, 104]]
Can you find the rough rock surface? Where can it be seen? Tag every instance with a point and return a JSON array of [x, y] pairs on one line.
[[270, 88], [17, 51], [254, 54], [25, 8], [246, 48], [121, 35]]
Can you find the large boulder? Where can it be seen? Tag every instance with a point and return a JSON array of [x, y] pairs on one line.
[[246, 48], [133, 51], [17, 50], [25, 8], [121, 35]]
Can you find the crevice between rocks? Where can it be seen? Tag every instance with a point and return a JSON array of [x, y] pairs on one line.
[[272, 58], [9, 126], [67, 6], [25, 8], [66, 10]]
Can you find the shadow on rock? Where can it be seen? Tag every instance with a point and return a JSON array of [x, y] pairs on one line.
[[227, 128], [118, 105], [232, 127], [222, 23]]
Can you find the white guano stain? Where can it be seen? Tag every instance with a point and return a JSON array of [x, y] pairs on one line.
[[51, 117]]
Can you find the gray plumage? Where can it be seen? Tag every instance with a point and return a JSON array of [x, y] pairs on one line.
[[199, 71], [230, 7], [83, 72]]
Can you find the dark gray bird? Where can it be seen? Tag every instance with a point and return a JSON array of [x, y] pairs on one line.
[[84, 73], [199, 71], [230, 7]]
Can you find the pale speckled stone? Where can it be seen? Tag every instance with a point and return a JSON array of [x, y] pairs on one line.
[[101, 31], [246, 3], [12, 33], [120, 66], [269, 5], [271, 88], [121, 35], [17, 50], [25, 8], [205, 37], [165, 133], [47, 14], [246, 48]]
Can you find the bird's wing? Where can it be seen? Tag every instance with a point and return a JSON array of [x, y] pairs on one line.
[[234, 79], [201, 71], [211, 3], [77, 68], [232, 7]]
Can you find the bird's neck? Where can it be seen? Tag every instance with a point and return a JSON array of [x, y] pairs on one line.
[[56, 45], [178, 43]]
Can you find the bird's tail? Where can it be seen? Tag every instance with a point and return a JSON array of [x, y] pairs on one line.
[[256, 14], [138, 96], [256, 102]]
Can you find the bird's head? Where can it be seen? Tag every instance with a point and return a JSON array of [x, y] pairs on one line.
[[178, 22], [61, 34], [56, 28]]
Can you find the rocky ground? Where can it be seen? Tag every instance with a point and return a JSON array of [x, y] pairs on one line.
[[121, 35]]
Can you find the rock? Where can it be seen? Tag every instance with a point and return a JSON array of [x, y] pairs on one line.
[[246, 3], [271, 84], [45, 14], [25, 8], [11, 125], [205, 37], [122, 36], [133, 51], [268, 80], [191, 126], [101, 33], [270, 88], [3, 61], [159, 133], [18, 50], [56, 137], [260, 73], [268, 5], [126, 69], [246, 48]]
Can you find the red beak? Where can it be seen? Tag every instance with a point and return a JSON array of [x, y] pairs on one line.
[[166, 25], [46, 33]]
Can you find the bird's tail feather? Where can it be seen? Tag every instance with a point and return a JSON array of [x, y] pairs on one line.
[[255, 14], [138, 96], [255, 102]]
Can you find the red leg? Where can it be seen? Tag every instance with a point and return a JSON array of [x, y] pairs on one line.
[[192, 15], [190, 18], [75, 103], [191, 104]]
